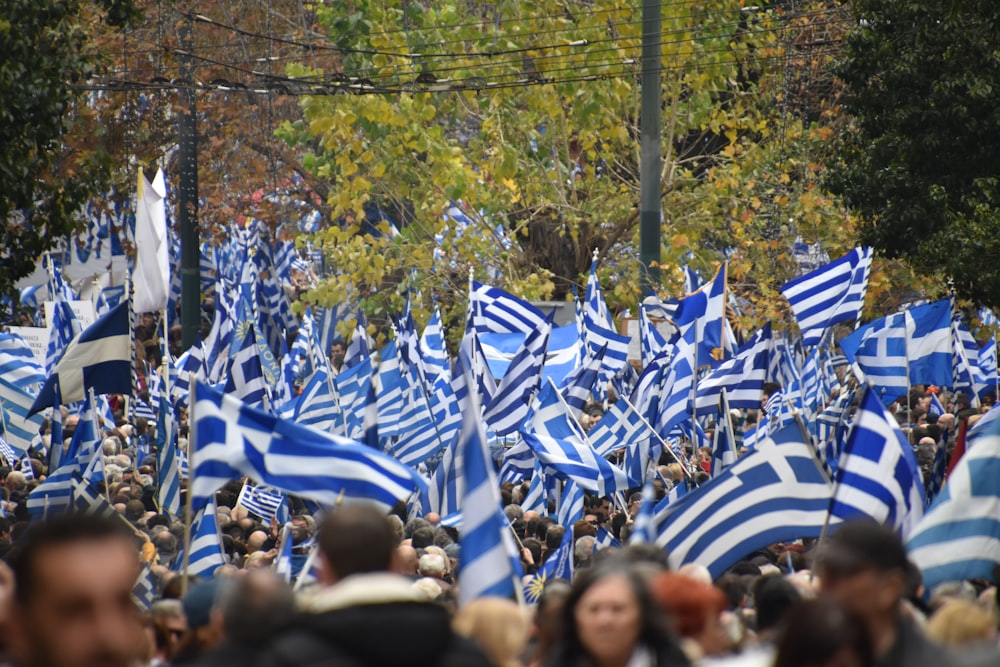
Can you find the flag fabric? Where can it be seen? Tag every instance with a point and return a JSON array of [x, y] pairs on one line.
[[987, 357], [935, 408], [723, 443], [534, 500], [20, 426], [966, 374], [260, 501], [643, 529], [317, 405], [559, 565], [87, 500], [929, 343], [878, 354], [283, 563], [353, 385], [938, 469], [676, 390], [699, 318], [829, 295], [191, 364], [421, 435], [510, 405], [570, 508], [220, 336], [168, 492], [17, 362], [599, 333], [144, 591], [564, 449], [490, 564], [447, 488], [245, 375], [391, 386], [579, 384], [492, 310], [605, 539], [742, 377], [879, 476], [232, 439], [98, 359], [778, 493], [619, 427], [207, 554], [63, 328], [8, 453], [959, 536], [151, 277]]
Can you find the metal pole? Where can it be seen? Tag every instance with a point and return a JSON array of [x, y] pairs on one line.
[[187, 194], [649, 156]]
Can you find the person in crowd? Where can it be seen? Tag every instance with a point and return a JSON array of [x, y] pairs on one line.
[[337, 356], [344, 621], [863, 567], [696, 609], [822, 633], [611, 620], [548, 619], [169, 626], [69, 602], [498, 626], [961, 624]]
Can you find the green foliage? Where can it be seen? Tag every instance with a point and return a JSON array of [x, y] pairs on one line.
[[43, 54], [921, 166]]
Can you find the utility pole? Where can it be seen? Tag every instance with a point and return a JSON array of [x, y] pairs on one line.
[[649, 148], [187, 192]]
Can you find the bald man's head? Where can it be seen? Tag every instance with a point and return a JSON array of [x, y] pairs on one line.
[[404, 560], [256, 541]]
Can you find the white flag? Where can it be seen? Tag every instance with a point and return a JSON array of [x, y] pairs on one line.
[[152, 270]]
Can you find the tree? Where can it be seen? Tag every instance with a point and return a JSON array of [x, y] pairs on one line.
[[44, 51], [920, 164], [526, 119]]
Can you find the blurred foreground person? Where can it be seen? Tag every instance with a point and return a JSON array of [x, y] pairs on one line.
[[821, 633], [864, 568], [72, 604], [610, 620], [365, 615]]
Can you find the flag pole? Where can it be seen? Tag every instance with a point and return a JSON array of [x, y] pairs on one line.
[[189, 498]]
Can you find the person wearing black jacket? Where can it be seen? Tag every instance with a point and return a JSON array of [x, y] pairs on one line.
[[364, 615]]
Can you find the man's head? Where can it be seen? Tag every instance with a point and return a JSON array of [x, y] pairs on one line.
[[864, 567], [355, 539], [337, 354], [73, 605]]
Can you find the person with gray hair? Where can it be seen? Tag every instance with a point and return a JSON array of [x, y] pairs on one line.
[[109, 447], [583, 551], [513, 512], [169, 625], [432, 565]]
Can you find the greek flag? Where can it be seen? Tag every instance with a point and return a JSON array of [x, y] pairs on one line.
[[620, 427], [245, 375], [928, 343], [831, 427], [190, 365], [490, 564], [358, 350], [599, 333], [55, 493], [581, 382], [260, 501], [559, 565], [959, 536], [879, 476], [570, 508], [651, 340], [352, 385], [676, 388], [779, 493], [144, 591], [8, 453], [206, 544], [512, 401], [86, 500], [63, 328], [98, 359], [492, 310], [604, 539], [20, 426], [391, 387], [421, 434], [17, 363], [699, 318], [987, 357], [966, 374], [283, 564], [935, 408], [317, 406], [220, 336], [433, 352], [829, 295], [550, 433], [742, 377], [231, 439], [535, 498], [167, 470], [644, 528], [878, 353], [724, 442], [518, 462]]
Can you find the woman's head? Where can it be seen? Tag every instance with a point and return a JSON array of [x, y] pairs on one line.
[[961, 623], [695, 608], [821, 633], [609, 611], [497, 625]]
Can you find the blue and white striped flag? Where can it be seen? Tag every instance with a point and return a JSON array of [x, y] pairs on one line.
[[563, 448], [581, 383], [644, 528], [260, 501], [510, 405], [599, 333], [490, 564], [353, 385], [492, 310], [535, 500], [283, 563], [144, 591], [206, 544], [559, 565], [231, 439], [63, 328], [190, 365], [929, 344], [391, 387], [742, 377], [878, 353], [317, 406], [959, 536], [699, 318], [879, 476], [777, 494], [220, 336], [987, 357], [676, 390], [245, 375], [518, 462], [100, 358], [605, 539], [829, 295], [19, 429], [421, 433], [570, 508], [167, 464], [17, 363], [724, 442], [620, 427], [8, 453], [433, 352]]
